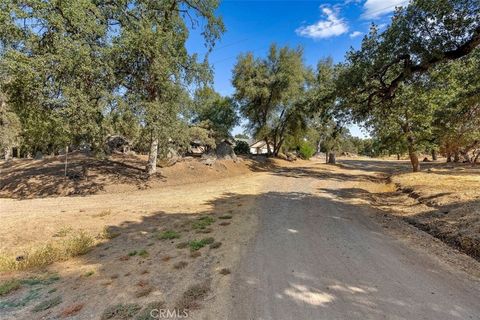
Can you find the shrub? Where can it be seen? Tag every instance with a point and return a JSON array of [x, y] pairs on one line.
[[168, 235], [242, 148], [143, 253], [306, 150], [78, 244], [108, 233], [203, 222], [121, 311], [9, 286], [194, 293], [198, 244], [63, 232]]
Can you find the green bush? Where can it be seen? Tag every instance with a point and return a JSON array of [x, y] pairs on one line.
[[242, 148], [198, 244], [306, 150], [203, 222], [168, 235]]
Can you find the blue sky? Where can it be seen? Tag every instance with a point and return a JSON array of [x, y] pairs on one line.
[[322, 28]]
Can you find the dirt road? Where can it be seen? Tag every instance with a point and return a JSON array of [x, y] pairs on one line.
[[318, 255]]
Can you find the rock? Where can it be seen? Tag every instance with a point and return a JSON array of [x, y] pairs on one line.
[[170, 159], [291, 156], [209, 161], [38, 155], [225, 150], [425, 159], [282, 156], [117, 144]]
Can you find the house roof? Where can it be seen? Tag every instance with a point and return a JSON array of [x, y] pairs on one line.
[[258, 144]]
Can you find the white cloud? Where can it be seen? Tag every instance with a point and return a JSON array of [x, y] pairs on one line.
[[331, 25], [374, 9], [355, 34]]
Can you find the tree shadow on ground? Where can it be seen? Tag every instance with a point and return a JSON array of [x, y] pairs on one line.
[[454, 223], [25, 178]]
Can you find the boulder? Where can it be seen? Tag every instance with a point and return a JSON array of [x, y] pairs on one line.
[[117, 144], [209, 161], [291, 156], [282, 156], [170, 159], [225, 150]]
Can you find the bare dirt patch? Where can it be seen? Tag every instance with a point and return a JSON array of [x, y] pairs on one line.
[[86, 175], [450, 196]]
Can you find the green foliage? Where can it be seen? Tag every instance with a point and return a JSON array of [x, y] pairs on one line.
[[43, 280], [9, 286], [79, 71], [168, 235], [32, 294], [10, 127], [241, 136], [306, 150], [143, 253], [269, 92], [198, 244], [121, 311], [390, 84], [214, 112], [242, 148], [203, 222]]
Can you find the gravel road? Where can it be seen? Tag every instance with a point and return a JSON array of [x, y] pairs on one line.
[[318, 256]]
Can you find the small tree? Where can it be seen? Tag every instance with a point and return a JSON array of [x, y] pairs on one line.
[[9, 128], [242, 148], [269, 92]]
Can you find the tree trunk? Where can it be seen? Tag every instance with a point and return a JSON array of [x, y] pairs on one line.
[[269, 150], [7, 152], [434, 154], [449, 157], [476, 159], [331, 158], [398, 156], [456, 157], [414, 160], [412, 153], [152, 157], [327, 153]]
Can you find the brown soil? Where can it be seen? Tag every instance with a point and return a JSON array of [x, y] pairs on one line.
[[27, 178], [449, 204]]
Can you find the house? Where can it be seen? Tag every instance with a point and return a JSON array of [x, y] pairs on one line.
[[260, 147]]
